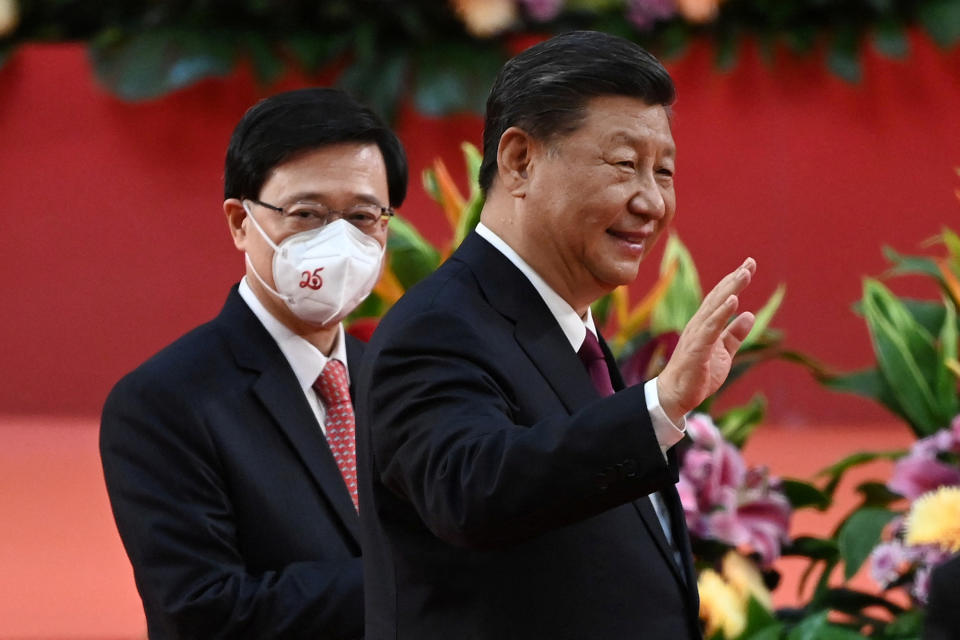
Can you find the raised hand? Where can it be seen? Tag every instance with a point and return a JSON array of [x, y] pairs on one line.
[[704, 354]]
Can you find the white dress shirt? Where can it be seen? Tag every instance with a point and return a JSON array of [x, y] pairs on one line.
[[305, 359]]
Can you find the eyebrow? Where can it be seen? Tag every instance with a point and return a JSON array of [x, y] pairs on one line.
[[633, 141], [317, 197]]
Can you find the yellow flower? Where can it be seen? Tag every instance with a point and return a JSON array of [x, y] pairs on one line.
[[724, 596], [486, 18], [745, 579], [9, 16], [720, 605], [934, 518]]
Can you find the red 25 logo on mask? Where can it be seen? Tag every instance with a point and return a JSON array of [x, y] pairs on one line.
[[312, 280]]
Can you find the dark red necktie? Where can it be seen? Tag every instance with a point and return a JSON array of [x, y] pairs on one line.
[[592, 357], [333, 389]]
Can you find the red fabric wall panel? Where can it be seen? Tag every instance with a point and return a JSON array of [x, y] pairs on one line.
[[113, 242]]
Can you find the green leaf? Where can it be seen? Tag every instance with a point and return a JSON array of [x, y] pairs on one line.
[[911, 265], [854, 602], [6, 51], [803, 494], [473, 159], [945, 385], [377, 79], [764, 316], [684, 295], [314, 51], [600, 309], [876, 494], [941, 19], [906, 357], [817, 627], [674, 39], [868, 384], [267, 66], [773, 632], [738, 423], [813, 548], [471, 214], [727, 44], [890, 39], [927, 313], [843, 57], [835, 472], [908, 624], [952, 242], [859, 535], [149, 64], [454, 77], [759, 619], [411, 257]]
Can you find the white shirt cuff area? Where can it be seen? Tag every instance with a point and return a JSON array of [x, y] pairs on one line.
[[668, 433]]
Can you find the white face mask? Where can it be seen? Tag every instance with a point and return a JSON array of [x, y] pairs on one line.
[[322, 274]]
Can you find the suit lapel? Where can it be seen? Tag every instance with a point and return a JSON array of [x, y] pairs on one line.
[[536, 330], [278, 390]]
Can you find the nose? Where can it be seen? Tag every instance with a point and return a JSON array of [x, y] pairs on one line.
[[647, 200]]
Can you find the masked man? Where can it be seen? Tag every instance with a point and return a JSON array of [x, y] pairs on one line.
[[512, 487], [229, 456]]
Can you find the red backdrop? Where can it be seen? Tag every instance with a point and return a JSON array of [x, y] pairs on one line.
[[114, 243]]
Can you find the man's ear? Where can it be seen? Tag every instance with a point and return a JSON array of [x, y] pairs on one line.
[[236, 214], [514, 154]]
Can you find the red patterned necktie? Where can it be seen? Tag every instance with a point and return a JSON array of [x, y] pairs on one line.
[[333, 389]]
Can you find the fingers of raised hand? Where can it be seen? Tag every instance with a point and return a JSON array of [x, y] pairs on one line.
[[737, 331], [731, 284]]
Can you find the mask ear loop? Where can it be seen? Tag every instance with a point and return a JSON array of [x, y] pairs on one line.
[[246, 256]]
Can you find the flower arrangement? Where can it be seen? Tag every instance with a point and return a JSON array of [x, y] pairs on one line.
[[727, 502], [440, 56], [909, 523]]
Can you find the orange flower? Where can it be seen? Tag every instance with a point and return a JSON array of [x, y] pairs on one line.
[[9, 17], [486, 18], [698, 10]]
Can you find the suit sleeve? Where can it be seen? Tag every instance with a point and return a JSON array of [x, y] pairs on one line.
[[173, 513], [446, 436]]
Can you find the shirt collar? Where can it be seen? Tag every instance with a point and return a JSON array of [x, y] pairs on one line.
[[573, 326], [305, 359]]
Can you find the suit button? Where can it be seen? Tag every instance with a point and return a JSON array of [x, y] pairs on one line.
[[630, 469], [605, 478]]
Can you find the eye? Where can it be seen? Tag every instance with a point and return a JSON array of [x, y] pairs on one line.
[[307, 213], [629, 164], [665, 172]]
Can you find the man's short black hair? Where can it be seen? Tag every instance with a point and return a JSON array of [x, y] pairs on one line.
[[544, 89], [282, 126]]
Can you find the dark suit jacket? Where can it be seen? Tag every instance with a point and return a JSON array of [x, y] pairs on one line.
[[227, 498], [943, 609], [500, 496]]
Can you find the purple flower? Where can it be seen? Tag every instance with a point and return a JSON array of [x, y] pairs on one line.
[[915, 475], [542, 10], [725, 500], [648, 361], [886, 562], [759, 522], [921, 584], [645, 13]]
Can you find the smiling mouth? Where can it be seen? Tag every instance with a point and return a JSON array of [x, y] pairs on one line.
[[635, 242]]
